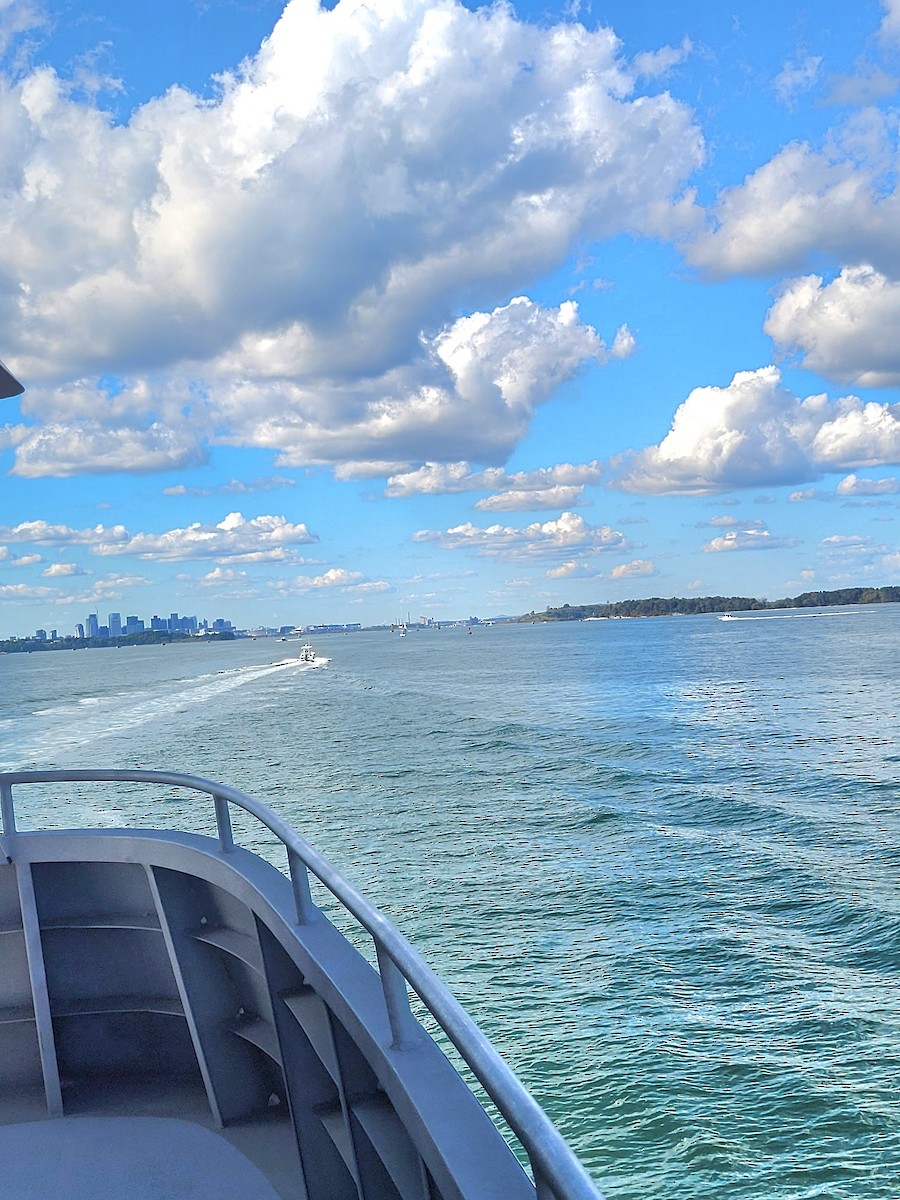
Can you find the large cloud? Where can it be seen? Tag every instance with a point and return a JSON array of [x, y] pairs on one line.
[[842, 203], [846, 329], [831, 208], [755, 432], [374, 170], [468, 393]]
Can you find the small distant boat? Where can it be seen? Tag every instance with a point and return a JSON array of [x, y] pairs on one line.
[[307, 654], [727, 617]]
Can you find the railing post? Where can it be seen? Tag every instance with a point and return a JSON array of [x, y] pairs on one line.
[[8, 816], [6, 807], [541, 1185], [404, 1027], [223, 825], [303, 901]]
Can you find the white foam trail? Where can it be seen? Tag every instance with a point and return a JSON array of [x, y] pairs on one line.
[[69, 726], [790, 616]]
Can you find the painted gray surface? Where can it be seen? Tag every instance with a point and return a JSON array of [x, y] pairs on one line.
[[9, 385], [108, 1158], [143, 962]]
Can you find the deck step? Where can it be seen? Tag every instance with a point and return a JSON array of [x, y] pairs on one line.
[[258, 1032], [392, 1144], [312, 1016], [14, 1013], [239, 945], [93, 1005]]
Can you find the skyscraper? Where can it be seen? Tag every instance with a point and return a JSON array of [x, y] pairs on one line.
[[93, 626], [115, 624]]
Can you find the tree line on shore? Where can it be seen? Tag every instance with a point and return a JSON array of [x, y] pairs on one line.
[[660, 606]]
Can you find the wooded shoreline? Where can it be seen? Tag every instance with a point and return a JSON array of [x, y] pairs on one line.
[[659, 606]]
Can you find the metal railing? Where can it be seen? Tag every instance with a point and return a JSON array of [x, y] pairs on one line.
[[557, 1172]]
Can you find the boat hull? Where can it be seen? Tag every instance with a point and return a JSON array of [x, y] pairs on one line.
[[163, 977]]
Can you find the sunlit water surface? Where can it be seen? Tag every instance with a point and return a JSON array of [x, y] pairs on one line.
[[656, 859]]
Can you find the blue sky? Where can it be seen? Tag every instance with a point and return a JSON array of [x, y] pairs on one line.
[[342, 313]]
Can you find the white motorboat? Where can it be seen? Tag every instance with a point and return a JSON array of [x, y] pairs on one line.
[[307, 654], [178, 1018]]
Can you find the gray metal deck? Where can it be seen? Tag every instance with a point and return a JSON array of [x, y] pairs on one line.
[[162, 990], [125, 1158]]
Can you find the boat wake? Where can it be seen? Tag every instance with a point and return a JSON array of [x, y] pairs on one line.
[[50, 732], [792, 616]]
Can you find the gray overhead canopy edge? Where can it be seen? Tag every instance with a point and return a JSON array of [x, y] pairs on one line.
[[9, 385]]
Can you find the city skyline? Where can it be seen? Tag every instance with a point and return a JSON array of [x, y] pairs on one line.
[[602, 311], [115, 626]]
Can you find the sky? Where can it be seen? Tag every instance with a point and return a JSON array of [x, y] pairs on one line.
[[344, 313]]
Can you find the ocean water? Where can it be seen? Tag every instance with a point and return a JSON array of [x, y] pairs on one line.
[[658, 860]]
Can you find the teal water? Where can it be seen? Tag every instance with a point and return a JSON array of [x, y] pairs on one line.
[[657, 859]]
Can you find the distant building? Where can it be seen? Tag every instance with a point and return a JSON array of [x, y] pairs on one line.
[[79, 630], [177, 624], [40, 635], [115, 624], [93, 626], [133, 625]]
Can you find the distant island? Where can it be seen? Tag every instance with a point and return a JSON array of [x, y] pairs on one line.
[[659, 606]]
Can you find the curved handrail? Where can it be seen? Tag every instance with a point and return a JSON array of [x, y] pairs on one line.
[[558, 1173]]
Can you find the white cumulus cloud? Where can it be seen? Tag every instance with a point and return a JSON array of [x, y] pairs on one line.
[[62, 450], [755, 432], [845, 329], [235, 539], [469, 392], [568, 534], [62, 569], [350, 583], [556, 487], [42, 533], [747, 539], [852, 485], [841, 202], [639, 568], [292, 255]]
